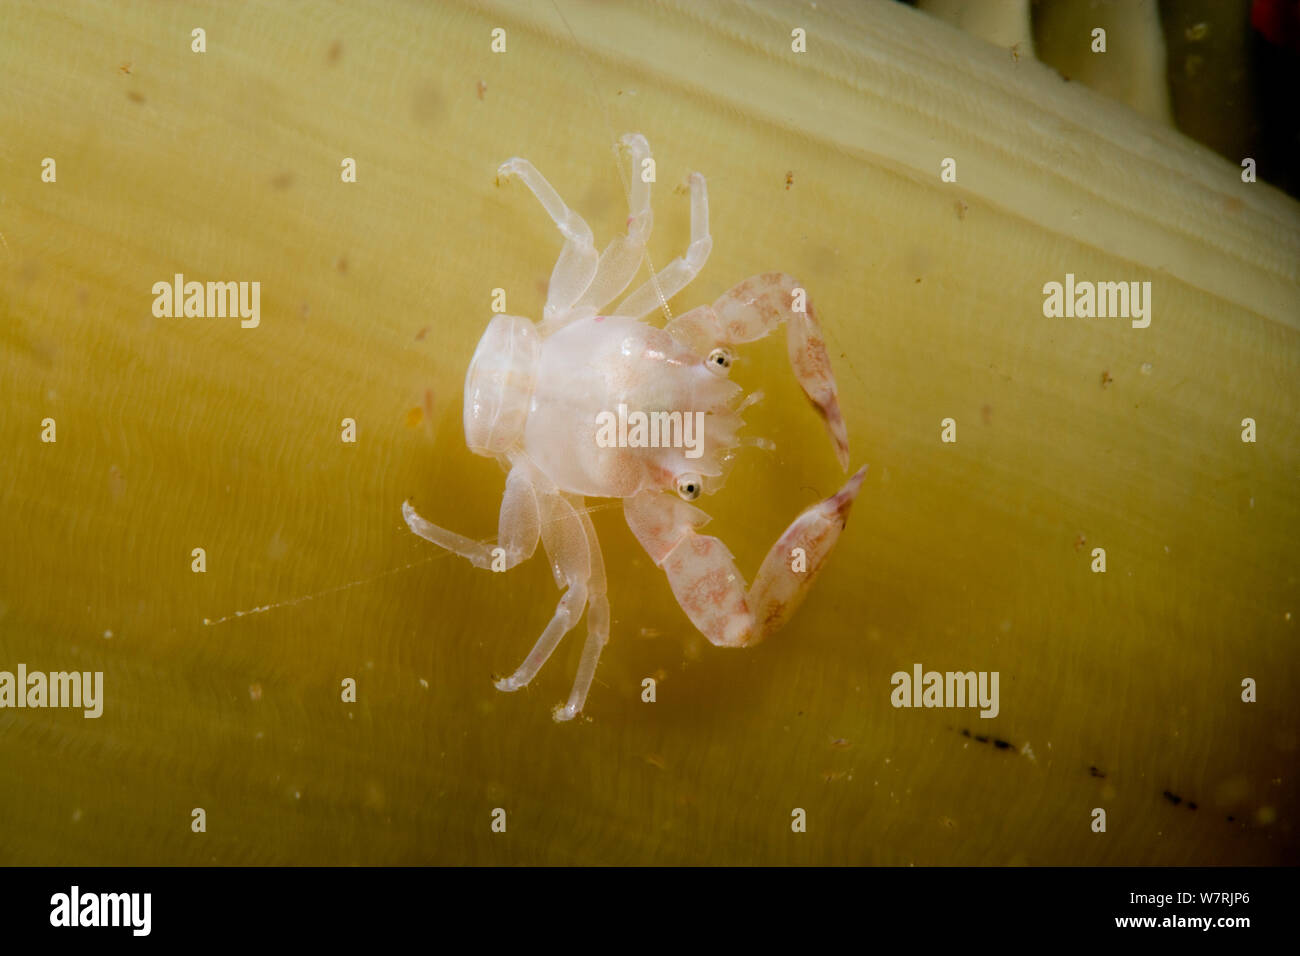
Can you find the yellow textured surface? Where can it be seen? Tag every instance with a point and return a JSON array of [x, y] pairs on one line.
[[182, 433]]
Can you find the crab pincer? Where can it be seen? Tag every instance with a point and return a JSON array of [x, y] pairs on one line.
[[754, 309]]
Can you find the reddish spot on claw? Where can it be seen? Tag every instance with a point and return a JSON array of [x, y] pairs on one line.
[[711, 590], [600, 318], [773, 615]]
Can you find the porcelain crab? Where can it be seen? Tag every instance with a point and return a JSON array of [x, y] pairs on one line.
[[538, 398]]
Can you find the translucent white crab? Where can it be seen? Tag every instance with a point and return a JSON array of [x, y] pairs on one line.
[[535, 398]]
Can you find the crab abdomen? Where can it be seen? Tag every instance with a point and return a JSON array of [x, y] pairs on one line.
[[499, 385]]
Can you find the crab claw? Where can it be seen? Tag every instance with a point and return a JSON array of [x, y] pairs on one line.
[[704, 576], [752, 310]]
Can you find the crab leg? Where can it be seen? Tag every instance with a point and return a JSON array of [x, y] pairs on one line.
[[597, 625], [570, 542], [576, 266], [703, 574], [622, 257], [753, 309], [518, 526], [565, 540], [677, 274]]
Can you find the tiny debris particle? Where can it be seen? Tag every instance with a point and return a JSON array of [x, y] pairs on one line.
[[482, 89], [419, 336], [1106, 379], [135, 96], [789, 178], [116, 482], [1001, 745], [839, 743], [1080, 541], [1096, 773], [961, 207], [1146, 368], [981, 739], [125, 69], [655, 760], [1173, 798], [1191, 806], [1197, 32], [255, 691]]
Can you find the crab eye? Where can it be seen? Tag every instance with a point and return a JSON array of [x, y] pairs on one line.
[[689, 486], [719, 360]]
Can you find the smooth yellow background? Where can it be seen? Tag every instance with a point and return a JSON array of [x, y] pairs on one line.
[[182, 433]]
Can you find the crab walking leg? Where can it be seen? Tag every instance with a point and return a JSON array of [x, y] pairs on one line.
[[576, 265], [677, 274], [753, 309], [622, 257], [703, 574], [565, 541], [518, 526], [597, 625]]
